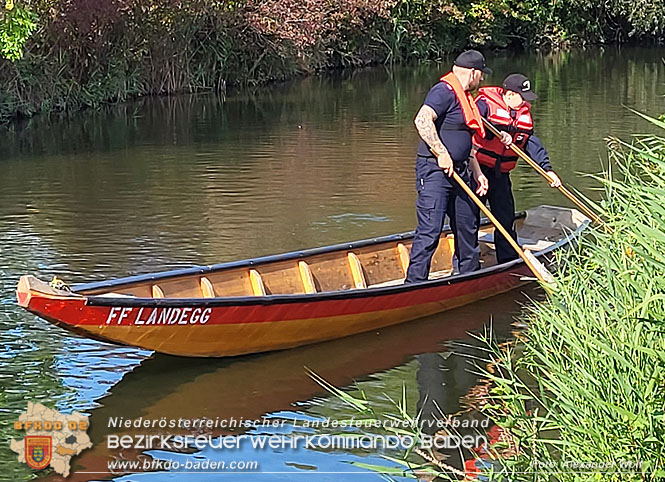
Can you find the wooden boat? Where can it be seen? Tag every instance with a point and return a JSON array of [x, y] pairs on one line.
[[293, 299]]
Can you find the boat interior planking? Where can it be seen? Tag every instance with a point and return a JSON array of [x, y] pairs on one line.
[[345, 268]]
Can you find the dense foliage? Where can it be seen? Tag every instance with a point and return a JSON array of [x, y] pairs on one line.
[[84, 52], [16, 26]]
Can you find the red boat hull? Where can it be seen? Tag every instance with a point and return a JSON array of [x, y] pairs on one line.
[[206, 328]]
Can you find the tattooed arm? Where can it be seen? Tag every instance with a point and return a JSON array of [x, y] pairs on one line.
[[427, 130]]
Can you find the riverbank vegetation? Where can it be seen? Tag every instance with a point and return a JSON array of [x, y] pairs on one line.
[[588, 386], [580, 395], [68, 54]]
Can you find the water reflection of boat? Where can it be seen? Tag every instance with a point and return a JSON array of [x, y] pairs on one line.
[[250, 387], [289, 300]]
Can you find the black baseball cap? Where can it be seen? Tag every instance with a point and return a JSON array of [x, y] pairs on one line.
[[520, 84], [472, 59]]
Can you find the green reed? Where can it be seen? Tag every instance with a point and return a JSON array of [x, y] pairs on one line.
[[582, 391], [585, 399]]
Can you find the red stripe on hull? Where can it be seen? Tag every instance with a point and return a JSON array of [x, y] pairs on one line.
[[74, 312]]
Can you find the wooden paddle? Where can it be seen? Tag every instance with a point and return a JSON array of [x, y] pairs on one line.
[[536, 267], [587, 211]]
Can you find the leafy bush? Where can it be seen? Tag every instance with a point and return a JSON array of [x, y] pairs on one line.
[[85, 52], [16, 26]]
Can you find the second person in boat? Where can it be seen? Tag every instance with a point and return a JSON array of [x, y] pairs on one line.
[[508, 108]]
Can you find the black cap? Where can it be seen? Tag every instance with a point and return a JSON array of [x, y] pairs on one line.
[[472, 59], [520, 84]]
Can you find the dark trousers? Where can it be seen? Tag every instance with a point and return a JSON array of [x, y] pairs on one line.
[[502, 204], [439, 195]]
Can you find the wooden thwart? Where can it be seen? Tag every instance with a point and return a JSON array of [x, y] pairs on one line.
[[451, 244], [207, 289], [403, 257], [356, 271], [306, 277], [258, 288]]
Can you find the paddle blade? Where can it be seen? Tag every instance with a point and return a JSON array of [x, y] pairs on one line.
[[540, 267]]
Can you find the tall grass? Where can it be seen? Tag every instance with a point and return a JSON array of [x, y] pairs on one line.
[[580, 396], [585, 399]]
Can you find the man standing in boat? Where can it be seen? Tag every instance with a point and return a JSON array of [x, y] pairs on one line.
[[507, 107], [446, 122]]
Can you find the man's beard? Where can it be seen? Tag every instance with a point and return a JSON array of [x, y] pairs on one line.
[[474, 85]]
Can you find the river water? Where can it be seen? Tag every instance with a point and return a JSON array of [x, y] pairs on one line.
[[170, 182]]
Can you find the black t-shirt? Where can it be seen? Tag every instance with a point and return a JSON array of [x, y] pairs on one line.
[[443, 100]]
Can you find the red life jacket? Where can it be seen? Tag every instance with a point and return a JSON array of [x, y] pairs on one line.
[[472, 117], [520, 127]]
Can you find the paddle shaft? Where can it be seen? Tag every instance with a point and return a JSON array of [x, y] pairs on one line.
[[498, 226], [588, 212]]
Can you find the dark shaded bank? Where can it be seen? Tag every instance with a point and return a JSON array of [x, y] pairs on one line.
[[88, 52]]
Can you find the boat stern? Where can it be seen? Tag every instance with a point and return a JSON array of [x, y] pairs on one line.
[[64, 308], [23, 294], [31, 289]]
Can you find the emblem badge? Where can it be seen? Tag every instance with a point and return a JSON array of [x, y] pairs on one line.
[[38, 451]]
